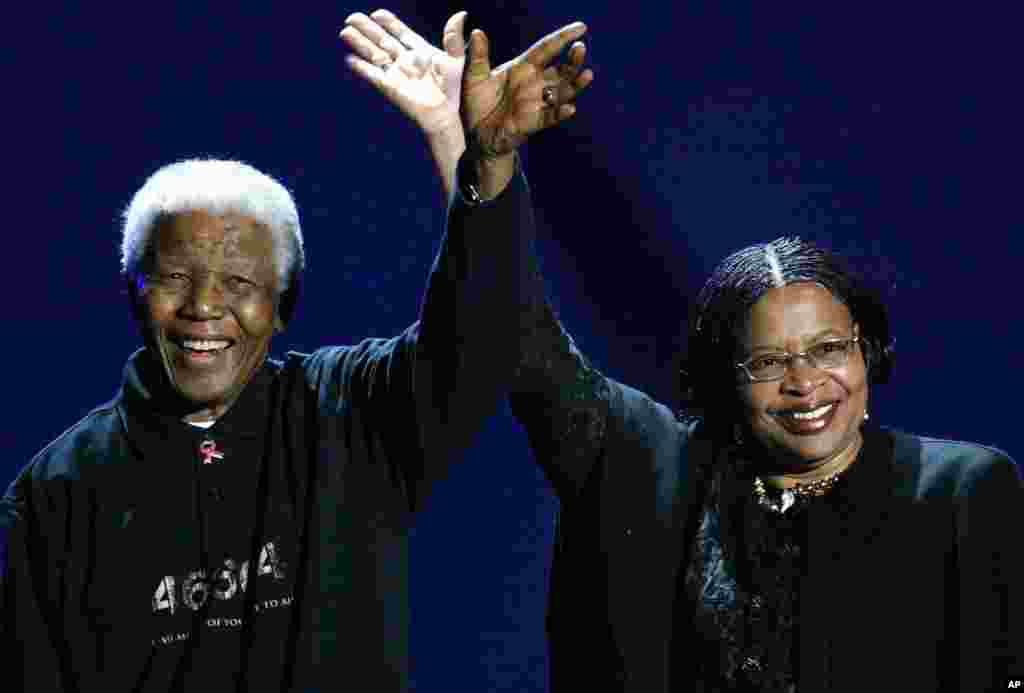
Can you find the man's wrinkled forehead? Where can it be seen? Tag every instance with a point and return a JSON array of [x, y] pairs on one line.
[[230, 235]]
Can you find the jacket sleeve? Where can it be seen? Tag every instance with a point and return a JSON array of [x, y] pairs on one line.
[[562, 401], [28, 628], [991, 620], [424, 394]]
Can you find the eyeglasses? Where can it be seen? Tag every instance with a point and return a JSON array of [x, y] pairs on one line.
[[831, 354]]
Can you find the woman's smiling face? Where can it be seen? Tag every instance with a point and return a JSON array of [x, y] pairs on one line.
[[811, 415]]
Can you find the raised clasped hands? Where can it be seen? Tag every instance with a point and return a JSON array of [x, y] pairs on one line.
[[500, 107]]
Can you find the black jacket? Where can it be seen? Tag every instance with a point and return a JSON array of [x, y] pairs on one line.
[[270, 551]]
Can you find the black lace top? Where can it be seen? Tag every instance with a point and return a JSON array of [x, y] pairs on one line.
[[743, 584], [666, 577]]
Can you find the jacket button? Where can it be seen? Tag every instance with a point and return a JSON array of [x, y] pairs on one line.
[[629, 532], [756, 602], [790, 550]]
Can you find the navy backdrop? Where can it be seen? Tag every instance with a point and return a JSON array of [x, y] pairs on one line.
[[709, 126]]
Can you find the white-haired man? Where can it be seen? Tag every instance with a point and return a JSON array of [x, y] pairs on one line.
[[230, 522]]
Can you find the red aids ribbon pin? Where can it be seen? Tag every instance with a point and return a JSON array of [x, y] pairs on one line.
[[208, 449]]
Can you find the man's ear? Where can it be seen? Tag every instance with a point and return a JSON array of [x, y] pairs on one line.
[[133, 287], [286, 303]]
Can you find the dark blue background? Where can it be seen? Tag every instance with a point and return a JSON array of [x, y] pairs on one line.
[[884, 134]]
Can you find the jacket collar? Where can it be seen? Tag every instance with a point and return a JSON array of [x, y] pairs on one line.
[[870, 478], [152, 411]]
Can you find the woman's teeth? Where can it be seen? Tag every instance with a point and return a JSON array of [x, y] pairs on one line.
[[813, 414]]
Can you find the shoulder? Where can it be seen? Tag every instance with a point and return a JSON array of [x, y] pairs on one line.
[[651, 435], [953, 467], [71, 455], [330, 359], [654, 453], [642, 417], [85, 443], [332, 371]]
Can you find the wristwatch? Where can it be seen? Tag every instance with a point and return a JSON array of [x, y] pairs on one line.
[[467, 180]]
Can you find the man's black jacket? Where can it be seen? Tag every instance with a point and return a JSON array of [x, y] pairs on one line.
[[269, 552]]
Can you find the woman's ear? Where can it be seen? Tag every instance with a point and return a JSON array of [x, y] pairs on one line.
[[867, 348]]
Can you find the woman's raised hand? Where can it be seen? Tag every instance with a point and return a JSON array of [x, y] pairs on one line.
[[503, 106]]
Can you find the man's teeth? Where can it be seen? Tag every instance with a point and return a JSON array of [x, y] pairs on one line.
[[205, 344], [813, 414]]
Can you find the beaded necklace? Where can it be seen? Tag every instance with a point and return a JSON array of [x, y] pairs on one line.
[[788, 497]]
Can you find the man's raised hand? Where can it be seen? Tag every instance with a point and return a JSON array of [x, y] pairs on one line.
[[422, 80], [501, 107]]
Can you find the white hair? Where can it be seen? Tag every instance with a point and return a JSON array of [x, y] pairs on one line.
[[774, 265], [217, 187]]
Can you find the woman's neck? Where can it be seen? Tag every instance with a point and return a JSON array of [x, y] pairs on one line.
[[836, 465]]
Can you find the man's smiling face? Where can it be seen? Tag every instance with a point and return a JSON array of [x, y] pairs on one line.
[[209, 304]]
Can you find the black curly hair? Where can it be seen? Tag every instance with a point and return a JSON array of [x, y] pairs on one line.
[[736, 284]]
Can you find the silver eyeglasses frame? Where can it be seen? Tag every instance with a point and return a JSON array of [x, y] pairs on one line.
[[790, 357]]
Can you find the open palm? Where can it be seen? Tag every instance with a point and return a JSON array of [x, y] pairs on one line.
[[422, 80]]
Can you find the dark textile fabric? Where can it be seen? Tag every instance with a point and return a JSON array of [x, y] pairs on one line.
[[269, 552], [748, 567], [909, 577]]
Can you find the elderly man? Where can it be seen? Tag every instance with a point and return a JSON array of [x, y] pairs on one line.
[[232, 522]]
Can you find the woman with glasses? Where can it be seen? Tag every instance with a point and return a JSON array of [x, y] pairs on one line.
[[770, 538]]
